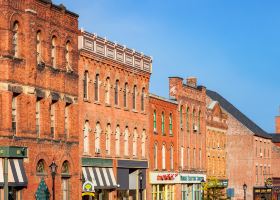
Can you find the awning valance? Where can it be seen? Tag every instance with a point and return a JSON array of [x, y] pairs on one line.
[[16, 173], [102, 178]]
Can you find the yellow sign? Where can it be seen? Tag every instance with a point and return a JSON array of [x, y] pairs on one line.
[[88, 194]]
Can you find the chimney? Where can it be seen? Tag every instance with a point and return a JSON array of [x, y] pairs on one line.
[[192, 82], [277, 123], [175, 85]]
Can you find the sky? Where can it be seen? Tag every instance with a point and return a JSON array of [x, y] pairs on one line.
[[231, 46]]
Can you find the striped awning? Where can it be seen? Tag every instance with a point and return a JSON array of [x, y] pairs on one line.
[[16, 173], [102, 178]]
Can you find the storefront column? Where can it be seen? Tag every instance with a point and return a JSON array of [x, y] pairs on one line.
[[6, 189]]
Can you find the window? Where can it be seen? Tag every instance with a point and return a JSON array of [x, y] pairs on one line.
[[97, 138], [38, 117], [86, 85], [155, 156], [126, 141], [181, 116], [125, 95], [187, 120], [86, 137], [107, 91], [52, 117], [171, 158], [193, 118], [40, 168], [118, 135], [200, 159], [134, 97], [117, 93], [134, 143], [142, 99], [170, 124], [15, 39], [14, 114], [194, 158], [54, 52], [182, 157], [65, 180], [66, 120], [143, 144], [163, 157], [67, 56], [155, 120], [162, 123], [96, 88], [189, 156], [198, 121], [108, 139], [39, 48]]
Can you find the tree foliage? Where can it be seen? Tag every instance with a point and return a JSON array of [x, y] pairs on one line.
[[213, 190]]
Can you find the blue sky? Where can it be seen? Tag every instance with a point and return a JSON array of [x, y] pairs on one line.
[[231, 46]]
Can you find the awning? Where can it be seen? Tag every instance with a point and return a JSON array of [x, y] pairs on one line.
[[16, 173], [102, 178]]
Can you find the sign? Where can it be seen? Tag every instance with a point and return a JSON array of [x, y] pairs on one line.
[[174, 178], [166, 177], [191, 178], [88, 189]]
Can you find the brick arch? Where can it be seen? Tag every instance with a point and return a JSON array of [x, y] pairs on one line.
[[55, 33], [13, 18], [61, 159], [41, 156]]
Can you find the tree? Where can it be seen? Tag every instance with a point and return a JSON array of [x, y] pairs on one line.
[[213, 190]]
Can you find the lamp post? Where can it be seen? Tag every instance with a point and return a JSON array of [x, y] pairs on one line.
[[140, 185], [202, 183], [53, 167], [244, 188]]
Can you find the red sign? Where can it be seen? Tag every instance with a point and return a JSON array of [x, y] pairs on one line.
[[166, 177]]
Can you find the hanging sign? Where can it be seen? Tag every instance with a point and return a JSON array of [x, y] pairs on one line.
[[88, 189]]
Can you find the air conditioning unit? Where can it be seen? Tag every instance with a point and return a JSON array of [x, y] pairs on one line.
[[97, 150], [195, 128]]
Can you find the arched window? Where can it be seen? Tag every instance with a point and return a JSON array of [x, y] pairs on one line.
[[39, 47], [143, 143], [134, 97], [107, 91], [96, 88], [15, 39], [163, 157], [134, 142], [171, 158], [52, 118], [155, 120], [155, 156], [182, 157], [143, 99], [193, 120], [86, 138], [118, 135], [170, 124], [66, 120], [14, 113], [117, 92], [181, 116], [162, 123], [40, 168], [108, 139], [86, 85], [126, 135], [125, 95], [65, 176], [54, 52], [97, 138], [198, 121], [68, 56], [187, 119], [194, 157]]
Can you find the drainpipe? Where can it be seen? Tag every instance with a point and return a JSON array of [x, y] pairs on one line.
[[6, 189]]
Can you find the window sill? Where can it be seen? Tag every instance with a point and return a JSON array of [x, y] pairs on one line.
[[135, 111], [117, 107], [97, 102], [126, 109], [41, 174], [86, 100], [155, 132], [107, 105]]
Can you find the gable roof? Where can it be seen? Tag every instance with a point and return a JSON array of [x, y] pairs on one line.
[[231, 109], [275, 137]]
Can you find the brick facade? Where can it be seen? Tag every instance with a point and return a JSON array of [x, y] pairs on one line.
[[25, 83]]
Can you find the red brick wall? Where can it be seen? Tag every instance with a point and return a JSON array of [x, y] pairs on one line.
[[33, 15], [277, 124]]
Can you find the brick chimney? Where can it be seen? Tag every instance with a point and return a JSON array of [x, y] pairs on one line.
[[175, 85], [192, 82], [277, 123]]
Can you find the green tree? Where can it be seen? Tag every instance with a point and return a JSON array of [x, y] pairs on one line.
[[213, 190]]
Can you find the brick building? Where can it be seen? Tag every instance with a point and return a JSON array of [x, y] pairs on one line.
[[114, 121], [216, 128], [248, 148], [38, 93], [163, 148], [192, 134]]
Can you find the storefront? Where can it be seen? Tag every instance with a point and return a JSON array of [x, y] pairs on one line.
[[13, 178], [271, 190], [131, 178], [99, 172], [164, 185]]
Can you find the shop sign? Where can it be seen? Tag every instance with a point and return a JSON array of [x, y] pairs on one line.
[[268, 182], [192, 178], [173, 178], [262, 190], [165, 177], [88, 189]]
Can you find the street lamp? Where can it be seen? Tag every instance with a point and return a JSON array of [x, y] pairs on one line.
[[140, 187], [244, 188], [53, 167], [202, 183]]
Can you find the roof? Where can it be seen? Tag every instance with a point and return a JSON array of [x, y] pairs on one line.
[[163, 98], [275, 137], [231, 109]]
